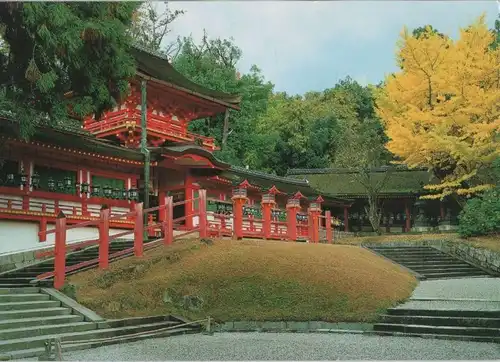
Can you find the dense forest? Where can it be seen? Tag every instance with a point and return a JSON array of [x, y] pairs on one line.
[[439, 111]]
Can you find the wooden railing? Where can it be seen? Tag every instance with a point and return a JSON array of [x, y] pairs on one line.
[[209, 224]]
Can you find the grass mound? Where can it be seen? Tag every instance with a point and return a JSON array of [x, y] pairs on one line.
[[248, 280]]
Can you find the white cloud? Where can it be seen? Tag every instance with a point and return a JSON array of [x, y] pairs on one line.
[[285, 38]]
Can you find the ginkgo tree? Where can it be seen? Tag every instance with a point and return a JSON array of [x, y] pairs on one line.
[[441, 110]]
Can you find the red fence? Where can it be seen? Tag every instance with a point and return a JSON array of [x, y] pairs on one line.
[[299, 226]]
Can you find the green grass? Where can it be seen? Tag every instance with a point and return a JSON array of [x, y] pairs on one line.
[[248, 280]]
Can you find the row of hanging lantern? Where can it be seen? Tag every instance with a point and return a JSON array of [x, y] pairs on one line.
[[66, 184], [302, 217], [247, 211]]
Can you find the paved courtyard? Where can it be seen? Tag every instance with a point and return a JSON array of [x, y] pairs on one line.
[[459, 294], [289, 346]]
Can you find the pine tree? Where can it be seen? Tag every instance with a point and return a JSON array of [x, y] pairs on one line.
[[62, 57], [441, 110]]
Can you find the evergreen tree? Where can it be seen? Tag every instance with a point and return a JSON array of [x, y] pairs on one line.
[[59, 57]]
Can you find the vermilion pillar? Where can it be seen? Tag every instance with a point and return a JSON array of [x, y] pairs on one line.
[[408, 215], [267, 206], [238, 203], [346, 219], [328, 226], [104, 239], [188, 208], [292, 208], [314, 212]]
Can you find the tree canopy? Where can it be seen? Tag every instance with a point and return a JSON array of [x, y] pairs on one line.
[[441, 110], [52, 48]]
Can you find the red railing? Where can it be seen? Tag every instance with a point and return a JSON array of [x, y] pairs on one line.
[[155, 123], [308, 226]]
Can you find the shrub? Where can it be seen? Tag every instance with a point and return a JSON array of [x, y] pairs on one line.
[[481, 215]]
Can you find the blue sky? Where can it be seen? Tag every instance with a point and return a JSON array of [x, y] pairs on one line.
[[302, 46]]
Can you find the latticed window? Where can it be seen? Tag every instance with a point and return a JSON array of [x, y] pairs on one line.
[[56, 179]]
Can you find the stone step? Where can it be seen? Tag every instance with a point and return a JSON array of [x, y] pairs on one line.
[[34, 313], [419, 260], [442, 266], [411, 253], [451, 274], [27, 290], [402, 248], [457, 313], [14, 280], [432, 262], [14, 285], [441, 321], [39, 321], [43, 330], [39, 341], [40, 352], [440, 336], [25, 297], [426, 271], [29, 305], [454, 330]]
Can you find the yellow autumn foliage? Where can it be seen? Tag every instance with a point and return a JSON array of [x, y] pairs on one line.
[[441, 111]]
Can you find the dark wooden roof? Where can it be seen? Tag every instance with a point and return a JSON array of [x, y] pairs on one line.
[[157, 66], [344, 183]]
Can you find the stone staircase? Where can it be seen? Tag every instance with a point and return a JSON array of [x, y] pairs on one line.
[[26, 276], [474, 325], [29, 317], [428, 262]]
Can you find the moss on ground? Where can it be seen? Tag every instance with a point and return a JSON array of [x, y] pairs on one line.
[[248, 280]]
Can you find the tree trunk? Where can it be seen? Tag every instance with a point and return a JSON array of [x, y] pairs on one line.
[[225, 130], [374, 213]]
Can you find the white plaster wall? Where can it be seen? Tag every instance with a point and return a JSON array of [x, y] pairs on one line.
[[17, 236]]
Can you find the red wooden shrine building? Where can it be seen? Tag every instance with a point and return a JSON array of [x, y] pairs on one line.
[[78, 169]]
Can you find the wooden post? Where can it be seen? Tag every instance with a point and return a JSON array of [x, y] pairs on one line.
[[188, 206], [238, 217], [291, 220], [139, 230], [266, 219], [60, 251], [202, 207], [346, 219], [408, 215], [328, 226], [42, 235], [104, 238], [169, 215]]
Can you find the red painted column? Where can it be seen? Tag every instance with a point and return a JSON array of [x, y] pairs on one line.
[[291, 220], [328, 226], [202, 207], [408, 215], [169, 210], [346, 219], [162, 211], [60, 251], [238, 203], [104, 239], [266, 218], [188, 206], [139, 230]]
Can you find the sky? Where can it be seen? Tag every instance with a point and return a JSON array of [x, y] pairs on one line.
[[303, 46]]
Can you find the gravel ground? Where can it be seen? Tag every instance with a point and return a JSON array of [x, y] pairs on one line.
[[289, 346]]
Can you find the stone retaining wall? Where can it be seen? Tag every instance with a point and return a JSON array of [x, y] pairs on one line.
[[290, 326], [483, 258]]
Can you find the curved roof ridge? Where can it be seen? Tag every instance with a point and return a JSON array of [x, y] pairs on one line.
[[338, 170], [158, 66]]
